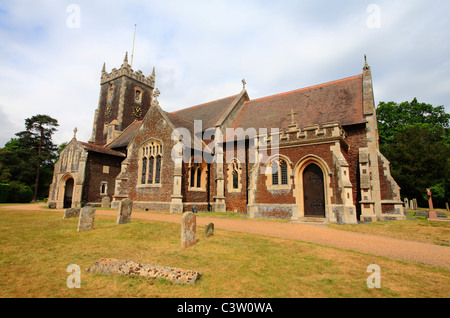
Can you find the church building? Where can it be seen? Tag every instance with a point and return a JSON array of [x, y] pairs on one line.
[[307, 154]]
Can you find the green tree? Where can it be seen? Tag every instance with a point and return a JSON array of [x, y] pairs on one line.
[[393, 117], [415, 138], [29, 158]]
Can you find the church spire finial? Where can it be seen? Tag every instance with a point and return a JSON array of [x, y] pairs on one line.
[[243, 83], [104, 68], [366, 66]]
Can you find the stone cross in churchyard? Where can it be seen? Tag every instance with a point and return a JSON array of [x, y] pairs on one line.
[[125, 209], [432, 215], [188, 229], [86, 220]]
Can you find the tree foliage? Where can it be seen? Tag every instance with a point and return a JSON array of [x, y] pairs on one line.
[[414, 137], [28, 159]]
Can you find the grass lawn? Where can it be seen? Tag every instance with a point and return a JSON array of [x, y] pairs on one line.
[[36, 247]]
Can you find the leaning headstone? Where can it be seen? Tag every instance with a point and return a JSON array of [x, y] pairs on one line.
[[125, 209], [86, 220], [106, 202], [188, 229], [209, 229], [446, 206], [71, 213]]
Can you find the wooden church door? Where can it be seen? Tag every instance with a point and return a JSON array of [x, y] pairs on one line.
[[313, 191]]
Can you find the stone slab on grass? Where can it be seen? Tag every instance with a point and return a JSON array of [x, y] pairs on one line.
[[113, 266]]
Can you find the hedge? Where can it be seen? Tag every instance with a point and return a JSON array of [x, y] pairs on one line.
[[15, 192]]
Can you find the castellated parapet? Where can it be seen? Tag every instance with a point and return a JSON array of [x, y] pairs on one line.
[[126, 70]]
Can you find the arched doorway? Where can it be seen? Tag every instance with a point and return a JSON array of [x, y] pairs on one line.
[[313, 191], [68, 193]]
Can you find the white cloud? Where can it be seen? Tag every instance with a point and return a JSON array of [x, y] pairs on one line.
[[202, 49]]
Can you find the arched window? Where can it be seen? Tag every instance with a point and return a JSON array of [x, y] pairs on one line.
[[279, 172], [151, 163], [197, 175], [234, 176]]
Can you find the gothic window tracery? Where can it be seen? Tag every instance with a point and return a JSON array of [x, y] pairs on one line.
[[151, 163]]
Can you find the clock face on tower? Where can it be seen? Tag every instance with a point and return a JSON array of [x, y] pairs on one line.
[[108, 110], [137, 112]]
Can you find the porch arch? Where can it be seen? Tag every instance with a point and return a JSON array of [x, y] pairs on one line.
[[299, 171]]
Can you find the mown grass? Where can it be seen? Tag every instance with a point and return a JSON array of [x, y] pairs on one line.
[[37, 247]]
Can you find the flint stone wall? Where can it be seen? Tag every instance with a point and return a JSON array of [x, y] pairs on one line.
[[112, 266]]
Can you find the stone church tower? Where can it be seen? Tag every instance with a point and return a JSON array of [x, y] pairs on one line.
[[86, 171], [125, 97]]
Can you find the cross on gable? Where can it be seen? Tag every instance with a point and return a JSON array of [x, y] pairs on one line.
[[292, 113], [156, 93]]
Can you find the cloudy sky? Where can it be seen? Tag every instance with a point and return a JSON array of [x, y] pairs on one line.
[[52, 52]]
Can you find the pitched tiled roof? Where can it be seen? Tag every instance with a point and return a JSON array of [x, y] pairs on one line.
[[124, 139], [102, 149], [339, 101], [209, 113]]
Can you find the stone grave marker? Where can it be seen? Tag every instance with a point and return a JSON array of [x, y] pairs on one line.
[[71, 213], [209, 229], [125, 209], [188, 229], [106, 202], [86, 220]]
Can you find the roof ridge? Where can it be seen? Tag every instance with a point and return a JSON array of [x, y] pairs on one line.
[[204, 104], [303, 89], [182, 118]]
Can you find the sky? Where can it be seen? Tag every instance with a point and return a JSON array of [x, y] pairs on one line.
[[52, 52]]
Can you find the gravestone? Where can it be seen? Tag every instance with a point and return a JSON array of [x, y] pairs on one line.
[[209, 229], [86, 220], [125, 209], [446, 206], [71, 213], [106, 202], [188, 229], [432, 215]]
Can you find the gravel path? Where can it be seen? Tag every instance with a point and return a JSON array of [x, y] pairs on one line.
[[423, 253]]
